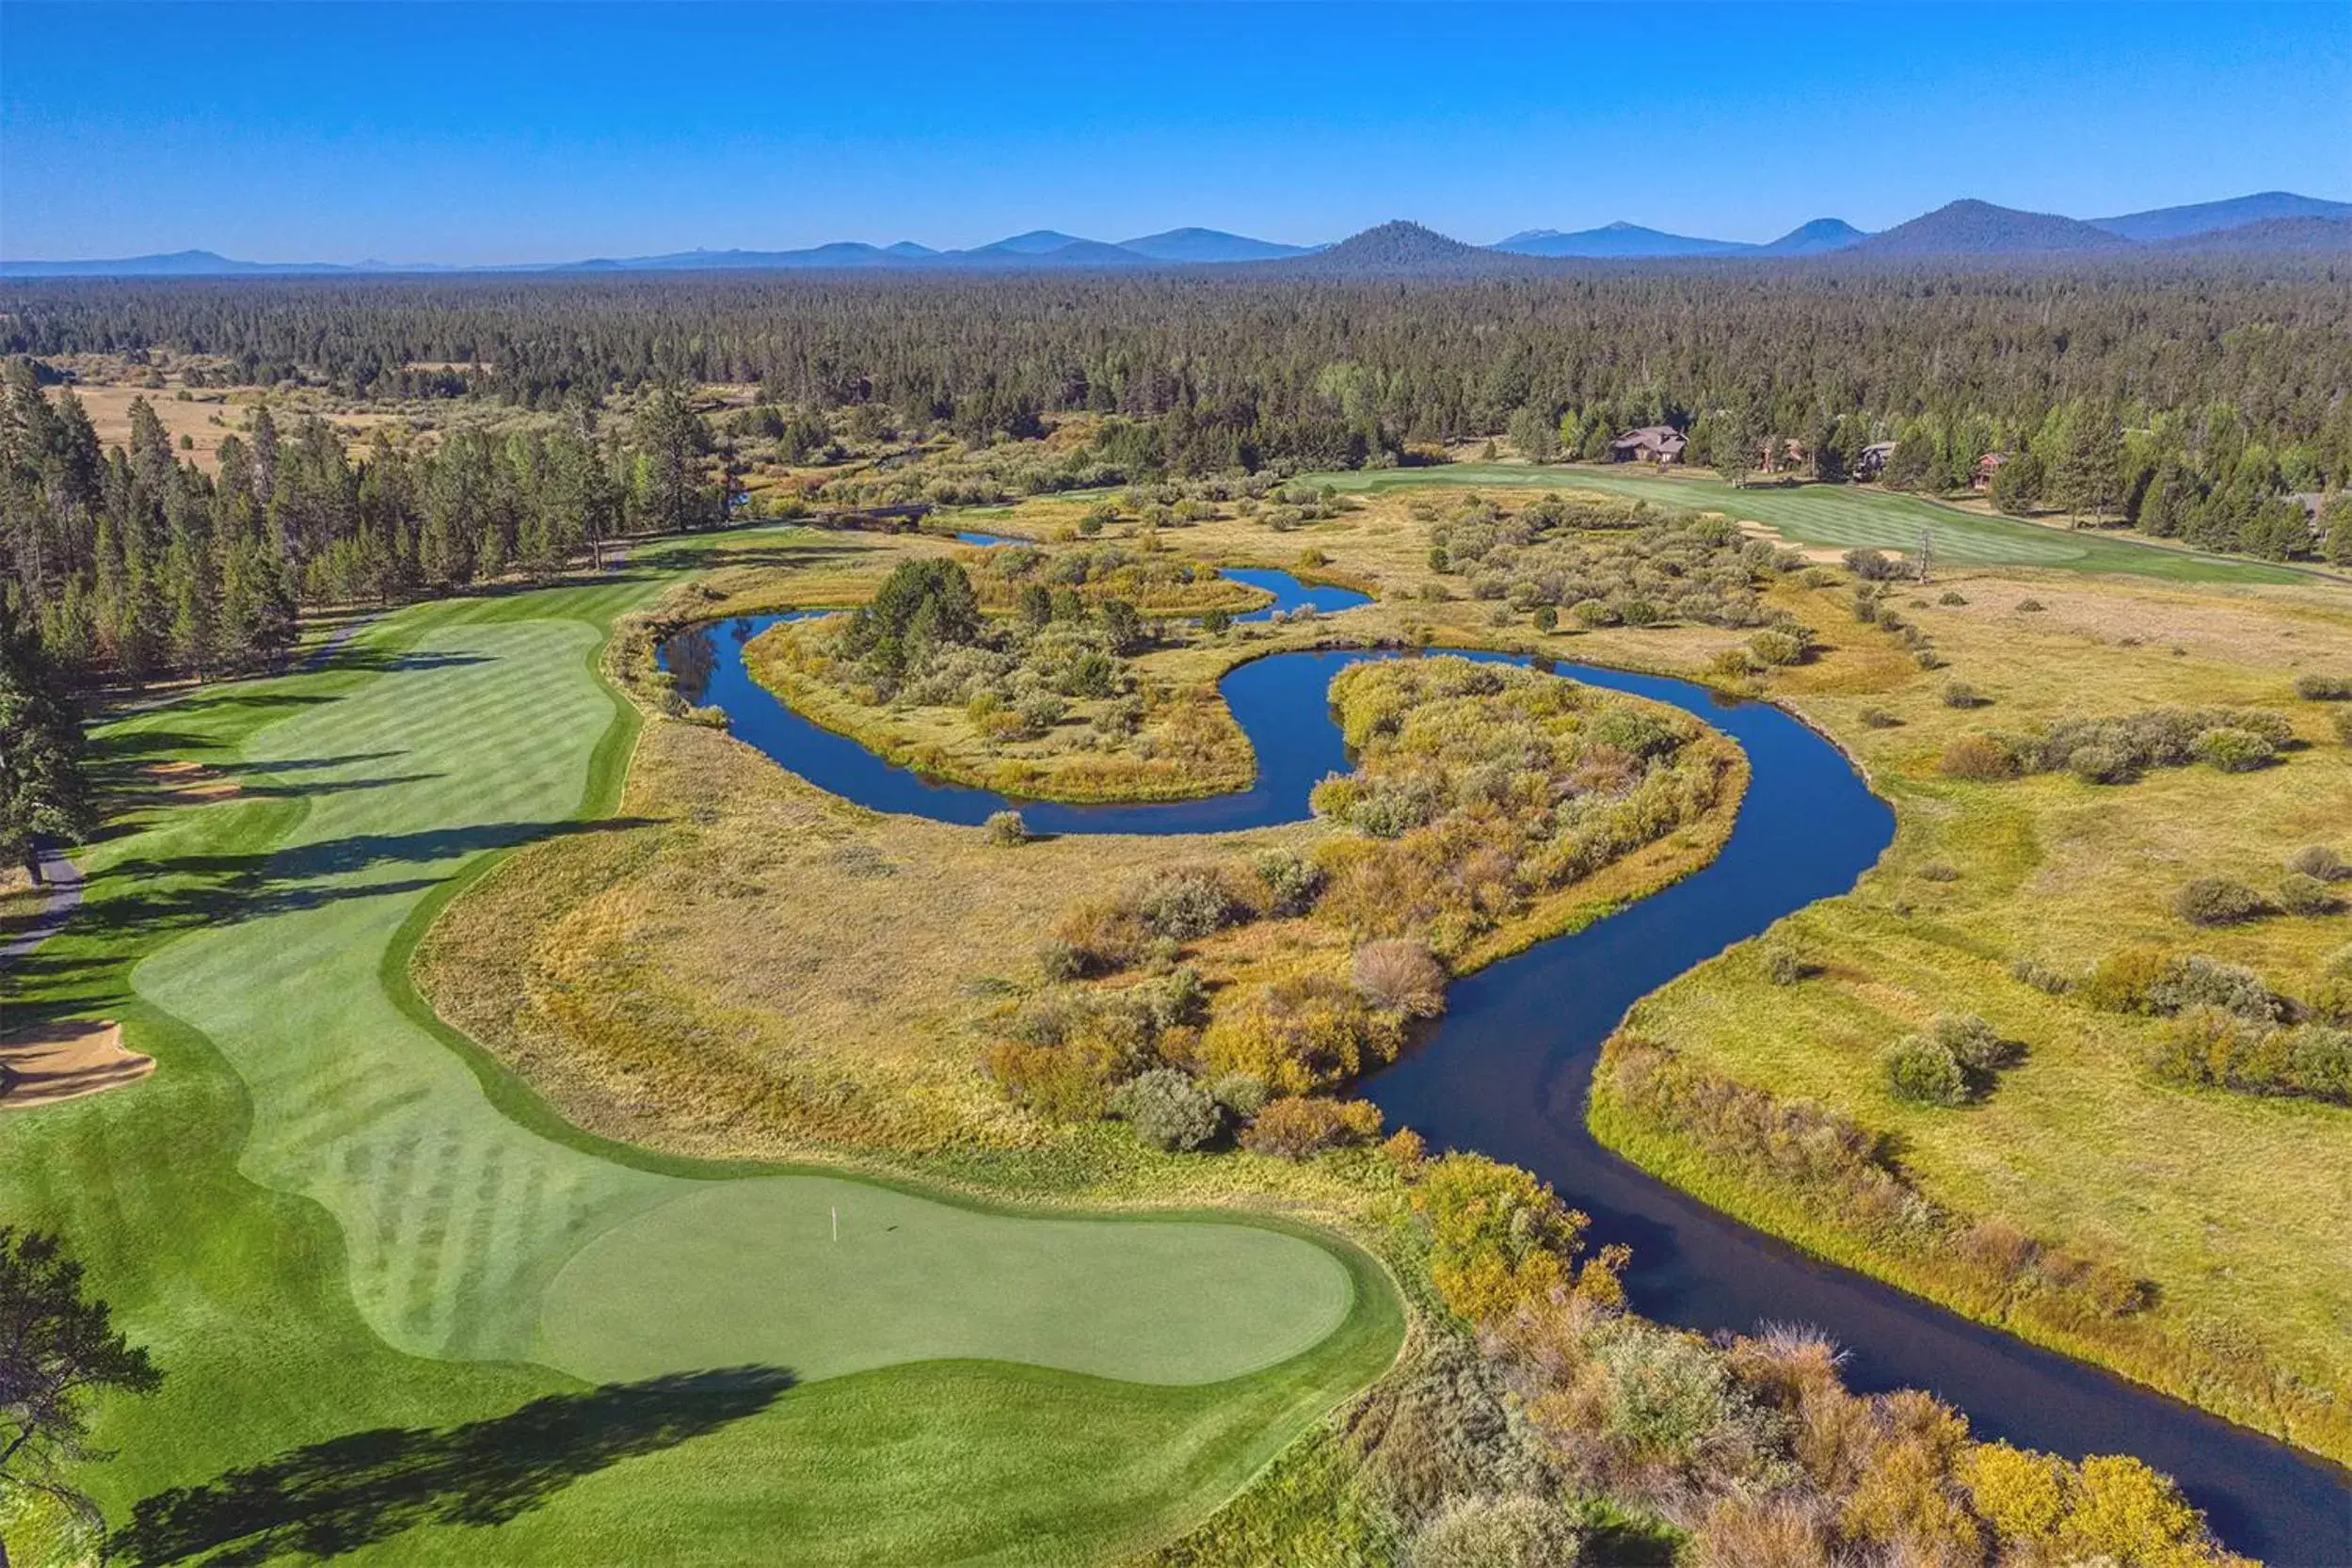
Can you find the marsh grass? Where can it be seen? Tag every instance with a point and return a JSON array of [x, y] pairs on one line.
[[2219, 1201]]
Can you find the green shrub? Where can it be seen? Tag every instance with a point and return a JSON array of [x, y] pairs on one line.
[[2120, 982], [1975, 1043], [1778, 646], [1243, 1096], [1547, 618], [1041, 710], [1187, 903], [2096, 764], [2341, 719], [1062, 1082], [2318, 860], [1879, 718], [1951, 596], [1665, 1393], [2301, 894], [2323, 688], [2152, 738], [2211, 1047], [2040, 976], [1061, 961], [1923, 1071], [1006, 829], [2330, 1002], [2029, 605], [1168, 1110], [1290, 882], [1959, 693], [1785, 965], [2228, 749], [2197, 981], [2218, 901], [2319, 1062]]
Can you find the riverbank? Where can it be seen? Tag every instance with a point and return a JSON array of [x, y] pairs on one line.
[[1006, 1165]]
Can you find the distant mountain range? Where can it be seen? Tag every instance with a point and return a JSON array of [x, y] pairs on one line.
[[2267, 223]]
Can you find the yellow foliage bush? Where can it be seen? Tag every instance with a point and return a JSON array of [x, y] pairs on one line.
[[1301, 1034]]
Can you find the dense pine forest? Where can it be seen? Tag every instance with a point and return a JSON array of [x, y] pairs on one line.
[[2187, 400]]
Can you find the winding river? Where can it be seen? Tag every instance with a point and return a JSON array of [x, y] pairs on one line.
[[1507, 1072]]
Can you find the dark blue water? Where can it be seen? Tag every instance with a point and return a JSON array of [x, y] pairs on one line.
[[1508, 1071], [1291, 596]]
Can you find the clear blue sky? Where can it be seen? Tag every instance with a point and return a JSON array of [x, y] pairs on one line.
[[458, 133]]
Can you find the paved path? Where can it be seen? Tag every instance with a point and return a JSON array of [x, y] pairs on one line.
[[62, 895]]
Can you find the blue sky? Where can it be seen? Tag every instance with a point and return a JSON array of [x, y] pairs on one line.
[[455, 132]]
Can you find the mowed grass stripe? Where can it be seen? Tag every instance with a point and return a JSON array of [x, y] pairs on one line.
[[455, 1218]]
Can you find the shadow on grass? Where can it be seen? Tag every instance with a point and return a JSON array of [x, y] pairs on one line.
[[143, 897], [353, 1491]]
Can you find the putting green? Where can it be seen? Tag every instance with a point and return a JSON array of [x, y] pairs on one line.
[[479, 734], [1849, 517], [751, 1270]]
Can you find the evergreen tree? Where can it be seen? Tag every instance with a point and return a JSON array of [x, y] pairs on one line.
[[2088, 476], [671, 439], [2017, 485], [58, 1350], [44, 792]]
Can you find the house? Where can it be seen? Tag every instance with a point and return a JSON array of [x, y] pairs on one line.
[[1651, 444], [1987, 466], [1871, 460]]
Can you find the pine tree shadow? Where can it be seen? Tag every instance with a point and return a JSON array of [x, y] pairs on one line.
[[366, 1487]]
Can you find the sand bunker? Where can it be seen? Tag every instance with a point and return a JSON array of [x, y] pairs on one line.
[[65, 1061]]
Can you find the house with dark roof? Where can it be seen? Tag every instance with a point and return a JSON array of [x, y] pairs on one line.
[[1871, 460], [1651, 444]]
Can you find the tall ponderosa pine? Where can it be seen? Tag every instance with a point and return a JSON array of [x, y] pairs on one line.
[[2088, 476], [670, 440], [44, 789], [58, 1348]]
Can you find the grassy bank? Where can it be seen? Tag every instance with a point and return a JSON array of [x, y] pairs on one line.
[[2216, 1202]]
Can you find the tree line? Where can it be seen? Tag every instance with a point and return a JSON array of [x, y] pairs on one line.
[[1243, 370], [130, 563]]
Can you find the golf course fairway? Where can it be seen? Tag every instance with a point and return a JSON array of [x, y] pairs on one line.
[[379, 1275], [1846, 517]]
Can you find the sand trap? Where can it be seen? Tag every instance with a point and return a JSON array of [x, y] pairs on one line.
[[65, 1061]]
